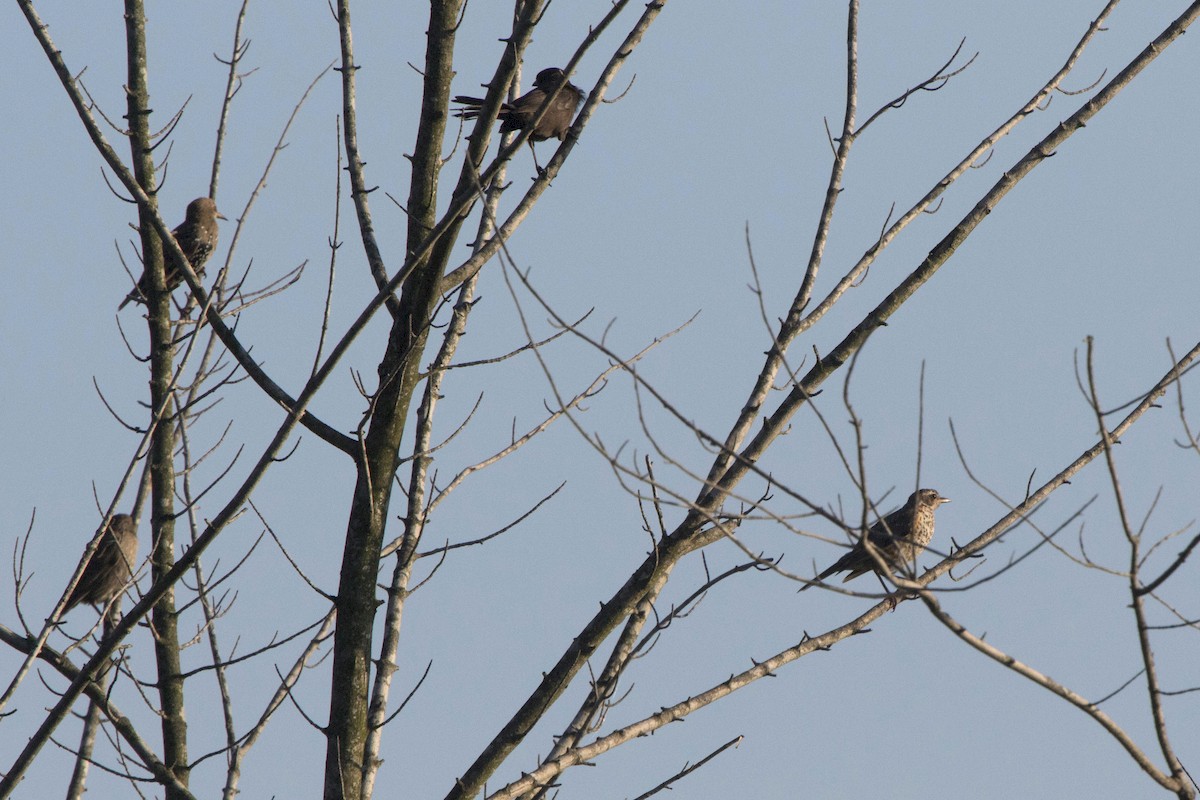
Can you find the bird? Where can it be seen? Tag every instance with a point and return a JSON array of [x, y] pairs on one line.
[[898, 538], [520, 113], [197, 238], [111, 565]]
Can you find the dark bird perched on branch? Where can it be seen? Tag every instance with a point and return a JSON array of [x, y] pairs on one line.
[[898, 538], [520, 113], [197, 238], [111, 566]]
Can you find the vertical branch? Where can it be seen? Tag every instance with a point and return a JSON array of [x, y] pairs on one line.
[[415, 516], [834, 187], [1138, 598], [414, 526], [790, 326], [161, 455], [209, 611], [358, 186], [232, 84], [83, 756], [347, 760], [335, 244]]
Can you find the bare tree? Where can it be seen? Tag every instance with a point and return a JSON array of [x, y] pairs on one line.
[[343, 642]]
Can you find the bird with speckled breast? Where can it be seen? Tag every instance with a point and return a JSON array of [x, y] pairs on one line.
[[197, 238], [898, 538], [111, 567]]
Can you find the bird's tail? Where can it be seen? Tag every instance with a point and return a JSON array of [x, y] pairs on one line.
[[471, 106], [134, 296]]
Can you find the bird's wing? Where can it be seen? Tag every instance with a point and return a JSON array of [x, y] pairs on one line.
[[529, 103], [884, 535], [894, 526]]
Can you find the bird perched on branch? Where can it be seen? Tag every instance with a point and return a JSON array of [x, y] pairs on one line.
[[520, 113], [898, 538], [111, 566], [197, 238]]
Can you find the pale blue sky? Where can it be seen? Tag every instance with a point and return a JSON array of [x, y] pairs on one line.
[[723, 127]]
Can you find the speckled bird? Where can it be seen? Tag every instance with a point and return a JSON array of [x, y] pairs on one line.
[[898, 538], [197, 238], [111, 566]]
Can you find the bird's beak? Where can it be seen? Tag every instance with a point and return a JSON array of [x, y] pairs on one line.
[[222, 216]]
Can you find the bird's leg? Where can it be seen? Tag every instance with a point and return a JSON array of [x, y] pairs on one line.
[[892, 595], [535, 161]]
